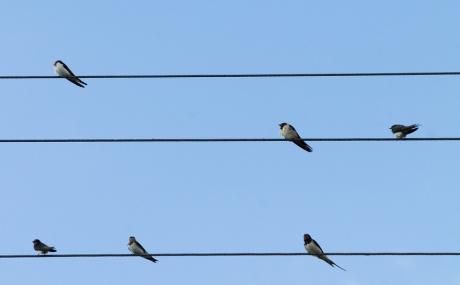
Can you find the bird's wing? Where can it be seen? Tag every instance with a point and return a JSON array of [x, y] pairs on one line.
[[317, 245], [68, 69], [73, 78], [141, 247], [294, 132], [291, 134], [303, 145], [77, 81], [413, 127]]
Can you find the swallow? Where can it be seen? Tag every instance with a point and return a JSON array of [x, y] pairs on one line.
[[401, 131], [136, 248], [313, 248], [289, 133], [63, 70], [42, 248]]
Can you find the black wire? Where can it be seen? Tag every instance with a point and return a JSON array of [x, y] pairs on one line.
[[136, 140], [227, 254], [246, 75], [120, 140]]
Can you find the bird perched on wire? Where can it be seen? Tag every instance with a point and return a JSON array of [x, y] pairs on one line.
[[290, 133], [136, 248], [401, 131], [313, 248], [42, 248], [63, 70]]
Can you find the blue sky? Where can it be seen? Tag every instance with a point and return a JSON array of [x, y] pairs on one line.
[[229, 197]]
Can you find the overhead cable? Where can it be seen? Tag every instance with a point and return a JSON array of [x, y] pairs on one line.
[[201, 140], [242, 75], [227, 254]]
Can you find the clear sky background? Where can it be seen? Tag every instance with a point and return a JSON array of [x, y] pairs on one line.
[[229, 197]]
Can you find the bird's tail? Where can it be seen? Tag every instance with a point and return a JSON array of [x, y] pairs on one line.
[[303, 145], [330, 262], [412, 128], [77, 82], [151, 258], [339, 267], [82, 82], [52, 249]]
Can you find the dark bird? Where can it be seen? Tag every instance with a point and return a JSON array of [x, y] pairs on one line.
[[63, 70], [289, 133], [42, 248], [313, 248], [401, 131], [136, 248]]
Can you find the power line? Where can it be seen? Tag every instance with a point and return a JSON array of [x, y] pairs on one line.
[[228, 254], [243, 75], [201, 140]]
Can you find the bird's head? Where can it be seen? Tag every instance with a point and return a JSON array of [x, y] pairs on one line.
[[306, 238], [132, 239], [36, 241], [282, 125], [58, 61]]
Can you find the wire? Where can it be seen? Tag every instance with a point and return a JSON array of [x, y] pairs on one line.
[[199, 140], [228, 254], [244, 75]]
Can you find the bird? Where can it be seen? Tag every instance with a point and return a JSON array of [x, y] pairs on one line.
[[289, 133], [42, 248], [401, 131], [136, 248], [313, 248], [63, 70]]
